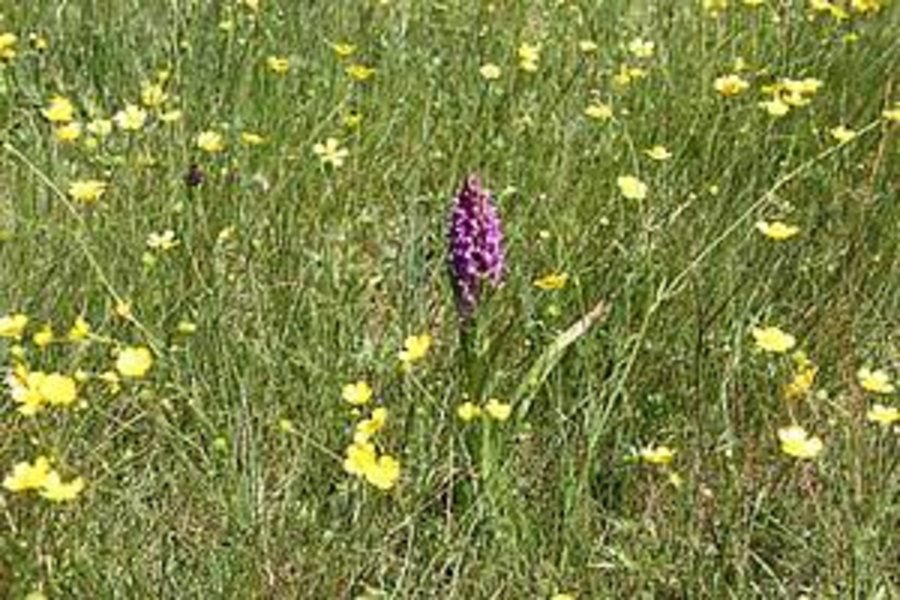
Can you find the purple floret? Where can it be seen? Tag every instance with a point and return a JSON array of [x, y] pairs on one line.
[[476, 244]]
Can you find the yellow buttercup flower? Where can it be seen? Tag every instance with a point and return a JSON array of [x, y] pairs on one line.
[[659, 153], [529, 55], [343, 50], [87, 190], [112, 381], [134, 362], [824, 6], [415, 348], [210, 141], [883, 415], [153, 95], [80, 330], [8, 46], [731, 85], [58, 389], [43, 337], [552, 281], [359, 72], [123, 310], [892, 114], [498, 410], [867, 6], [55, 490], [162, 241], [67, 132], [367, 428], [467, 411], [802, 87], [842, 134], [13, 326], [24, 387], [777, 230], [27, 476], [599, 111], [357, 394], [803, 379], [252, 139], [773, 339], [131, 118], [278, 64], [490, 71], [100, 127], [631, 187], [657, 455], [796, 442], [876, 381], [797, 92], [775, 107], [714, 6], [641, 48], [352, 119], [795, 99], [628, 74], [360, 457], [383, 473], [60, 110], [38, 42]]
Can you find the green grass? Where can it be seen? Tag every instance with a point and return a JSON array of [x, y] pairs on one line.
[[194, 490]]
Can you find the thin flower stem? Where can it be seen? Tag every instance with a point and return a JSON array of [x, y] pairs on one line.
[[83, 246], [678, 280]]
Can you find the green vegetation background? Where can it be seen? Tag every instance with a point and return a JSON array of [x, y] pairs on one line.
[[193, 489]]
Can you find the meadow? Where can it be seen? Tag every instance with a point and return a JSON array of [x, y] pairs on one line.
[[238, 362]]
